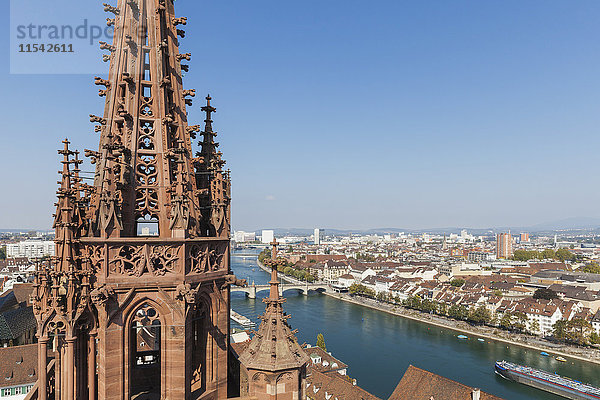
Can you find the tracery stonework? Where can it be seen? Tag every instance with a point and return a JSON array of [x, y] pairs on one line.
[[136, 301]]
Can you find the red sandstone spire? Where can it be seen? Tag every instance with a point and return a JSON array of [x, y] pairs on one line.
[[274, 350], [146, 175], [274, 291], [213, 181]]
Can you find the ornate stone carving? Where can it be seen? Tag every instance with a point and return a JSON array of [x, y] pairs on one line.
[[185, 292], [233, 280], [139, 260], [101, 295], [180, 213], [95, 256], [108, 212], [206, 257]]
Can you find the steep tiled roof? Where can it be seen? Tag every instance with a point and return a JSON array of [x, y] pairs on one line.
[[8, 301], [18, 365], [333, 387], [328, 362], [22, 292], [418, 384], [14, 323]]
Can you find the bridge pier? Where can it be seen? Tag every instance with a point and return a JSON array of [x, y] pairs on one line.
[[252, 292]]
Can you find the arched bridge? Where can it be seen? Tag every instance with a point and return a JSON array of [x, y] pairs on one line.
[[251, 290]]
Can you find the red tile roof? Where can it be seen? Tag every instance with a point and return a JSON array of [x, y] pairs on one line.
[[18, 365], [418, 384]]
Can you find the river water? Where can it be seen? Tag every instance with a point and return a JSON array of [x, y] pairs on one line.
[[378, 347]]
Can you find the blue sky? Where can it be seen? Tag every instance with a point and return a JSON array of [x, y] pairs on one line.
[[353, 114]]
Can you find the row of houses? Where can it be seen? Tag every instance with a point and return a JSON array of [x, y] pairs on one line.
[[499, 294]]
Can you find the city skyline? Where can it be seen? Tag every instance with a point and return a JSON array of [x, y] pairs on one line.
[[427, 116]]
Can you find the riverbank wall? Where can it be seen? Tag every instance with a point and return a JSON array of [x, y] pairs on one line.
[[484, 332], [462, 327]]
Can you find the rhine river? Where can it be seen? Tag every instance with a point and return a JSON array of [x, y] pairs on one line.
[[378, 347]]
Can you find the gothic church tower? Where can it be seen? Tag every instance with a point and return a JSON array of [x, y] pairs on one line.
[[135, 304]]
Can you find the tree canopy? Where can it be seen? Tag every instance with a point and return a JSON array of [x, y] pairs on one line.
[[321, 341], [592, 268], [457, 282], [544, 293], [560, 255]]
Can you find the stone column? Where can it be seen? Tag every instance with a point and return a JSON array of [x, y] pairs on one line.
[[70, 366], [57, 368], [92, 367], [42, 368]]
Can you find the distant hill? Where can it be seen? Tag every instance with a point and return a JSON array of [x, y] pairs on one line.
[[570, 224]]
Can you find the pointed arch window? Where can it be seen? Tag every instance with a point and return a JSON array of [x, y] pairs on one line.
[[145, 350]]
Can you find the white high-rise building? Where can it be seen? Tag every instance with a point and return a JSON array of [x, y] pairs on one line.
[[317, 235], [30, 249], [242, 237], [267, 236]]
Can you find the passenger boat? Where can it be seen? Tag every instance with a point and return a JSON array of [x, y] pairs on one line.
[[547, 381], [462, 337], [561, 359]]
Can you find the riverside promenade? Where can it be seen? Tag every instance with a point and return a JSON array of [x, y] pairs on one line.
[[481, 331], [486, 332]]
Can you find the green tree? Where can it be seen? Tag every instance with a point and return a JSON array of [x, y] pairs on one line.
[[361, 290], [525, 255], [548, 254], [458, 312], [428, 306], [592, 268], [506, 321], [545, 293], [442, 309], [480, 315], [321, 341], [564, 255], [578, 331], [264, 255], [457, 282], [381, 296], [3, 253], [534, 327], [559, 329], [413, 302], [519, 321]]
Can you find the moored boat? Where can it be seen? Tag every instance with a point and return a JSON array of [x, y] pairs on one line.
[[544, 354], [462, 337], [561, 359], [543, 380]]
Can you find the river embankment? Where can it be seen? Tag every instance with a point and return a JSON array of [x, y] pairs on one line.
[[485, 332]]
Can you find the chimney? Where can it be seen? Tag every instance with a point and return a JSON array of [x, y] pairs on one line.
[[475, 394]]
